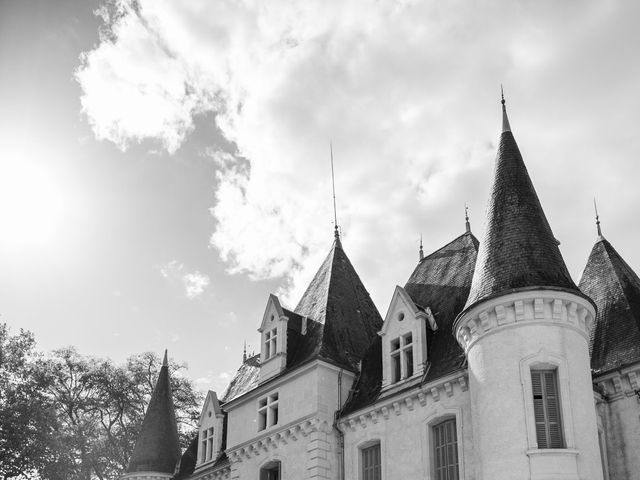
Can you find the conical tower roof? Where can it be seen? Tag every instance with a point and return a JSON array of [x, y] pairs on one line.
[[157, 448], [615, 288], [518, 250], [345, 319]]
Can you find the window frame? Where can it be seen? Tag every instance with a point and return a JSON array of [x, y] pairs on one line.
[[401, 357], [437, 448], [438, 416], [545, 360], [543, 404], [362, 452], [270, 465], [207, 442], [270, 343], [268, 409]]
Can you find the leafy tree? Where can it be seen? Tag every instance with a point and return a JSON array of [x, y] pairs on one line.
[[67, 416], [101, 407], [27, 417]]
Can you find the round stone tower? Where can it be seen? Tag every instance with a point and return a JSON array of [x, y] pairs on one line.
[[524, 330]]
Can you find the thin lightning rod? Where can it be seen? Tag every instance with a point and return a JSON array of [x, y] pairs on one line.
[[333, 186]]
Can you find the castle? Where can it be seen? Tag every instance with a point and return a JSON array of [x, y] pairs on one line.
[[490, 364]]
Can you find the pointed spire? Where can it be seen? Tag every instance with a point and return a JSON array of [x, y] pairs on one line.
[[518, 250], [157, 448], [505, 120], [597, 218], [244, 353], [467, 225], [165, 361], [421, 253], [342, 317], [336, 232]]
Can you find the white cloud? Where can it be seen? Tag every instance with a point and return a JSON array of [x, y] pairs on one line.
[[194, 283], [407, 91]]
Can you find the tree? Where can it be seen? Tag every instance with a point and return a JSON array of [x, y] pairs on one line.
[[67, 416], [100, 408], [27, 417]]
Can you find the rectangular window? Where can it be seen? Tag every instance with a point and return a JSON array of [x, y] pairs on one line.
[[546, 408], [401, 358], [268, 411], [206, 445], [371, 463], [270, 343], [445, 450]]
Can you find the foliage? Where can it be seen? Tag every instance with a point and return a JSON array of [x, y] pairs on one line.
[[27, 419], [82, 414]]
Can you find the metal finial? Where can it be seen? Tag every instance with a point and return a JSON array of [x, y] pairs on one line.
[[421, 253], [595, 207], [505, 121], [466, 218], [165, 361], [244, 353], [336, 232]]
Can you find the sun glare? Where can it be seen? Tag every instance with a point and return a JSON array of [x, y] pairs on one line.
[[31, 202]]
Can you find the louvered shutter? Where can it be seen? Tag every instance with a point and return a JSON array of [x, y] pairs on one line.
[[546, 408]]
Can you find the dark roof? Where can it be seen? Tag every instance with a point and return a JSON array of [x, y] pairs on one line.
[[342, 320], [615, 288], [440, 281], [518, 250], [245, 379], [157, 448], [188, 460]]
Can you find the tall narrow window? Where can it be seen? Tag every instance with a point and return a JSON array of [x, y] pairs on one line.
[[270, 471], [371, 463], [270, 343], [206, 445], [268, 411], [546, 408], [445, 450]]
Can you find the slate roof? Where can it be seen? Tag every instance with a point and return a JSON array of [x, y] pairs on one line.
[[342, 319], [440, 281], [518, 250], [157, 448], [615, 288], [245, 379]]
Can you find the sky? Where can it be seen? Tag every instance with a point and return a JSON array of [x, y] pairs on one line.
[[165, 165]]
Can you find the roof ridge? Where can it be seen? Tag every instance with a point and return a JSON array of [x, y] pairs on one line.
[[465, 234], [633, 275]]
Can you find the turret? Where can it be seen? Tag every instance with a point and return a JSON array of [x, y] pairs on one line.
[[524, 330], [157, 451]]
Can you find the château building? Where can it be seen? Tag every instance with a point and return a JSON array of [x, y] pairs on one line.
[[490, 364]]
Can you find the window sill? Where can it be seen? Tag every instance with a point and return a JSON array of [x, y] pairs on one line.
[[541, 452]]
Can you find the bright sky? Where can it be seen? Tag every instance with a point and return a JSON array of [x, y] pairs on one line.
[[164, 168]]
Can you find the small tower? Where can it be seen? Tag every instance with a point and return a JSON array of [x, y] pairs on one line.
[[524, 330], [157, 452]]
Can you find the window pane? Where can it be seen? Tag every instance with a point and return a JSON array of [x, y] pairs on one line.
[[371, 463], [445, 450]]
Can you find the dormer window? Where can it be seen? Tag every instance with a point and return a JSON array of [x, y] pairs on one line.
[[207, 445], [404, 340], [401, 350], [270, 343], [210, 430]]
